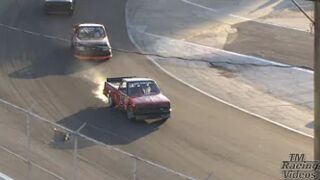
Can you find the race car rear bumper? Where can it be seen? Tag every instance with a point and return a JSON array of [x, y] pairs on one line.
[[68, 12], [58, 8], [83, 57]]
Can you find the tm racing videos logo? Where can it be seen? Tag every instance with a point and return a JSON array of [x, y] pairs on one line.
[[298, 168]]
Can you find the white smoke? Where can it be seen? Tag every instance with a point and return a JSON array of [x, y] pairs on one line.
[[98, 79]]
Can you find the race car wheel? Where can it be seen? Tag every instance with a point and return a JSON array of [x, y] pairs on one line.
[[164, 119], [110, 102], [70, 13], [130, 115], [47, 13]]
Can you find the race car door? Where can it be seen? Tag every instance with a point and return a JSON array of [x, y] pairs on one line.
[[122, 94]]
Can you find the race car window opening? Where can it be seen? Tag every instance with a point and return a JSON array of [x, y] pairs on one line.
[[91, 33], [58, 4], [143, 88], [123, 87]]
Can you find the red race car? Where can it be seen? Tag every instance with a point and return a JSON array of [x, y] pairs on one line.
[[90, 42], [140, 98]]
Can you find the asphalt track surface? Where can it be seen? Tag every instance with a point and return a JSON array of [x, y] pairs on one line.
[[203, 135], [283, 45]]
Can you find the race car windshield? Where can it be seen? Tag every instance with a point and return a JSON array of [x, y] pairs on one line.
[[142, 88], [91, 33]]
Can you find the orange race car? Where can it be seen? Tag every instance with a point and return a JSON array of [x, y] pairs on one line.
[[90, 42]]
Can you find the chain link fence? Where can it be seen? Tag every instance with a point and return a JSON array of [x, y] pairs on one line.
[[34, 148]]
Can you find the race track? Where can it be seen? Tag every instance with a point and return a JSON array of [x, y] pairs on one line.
[[203, 135]]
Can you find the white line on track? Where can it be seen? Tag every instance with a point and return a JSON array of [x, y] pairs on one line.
[[175, 77], [220, 100], [32, 33], [229, 52], [92, 140], [81, 135], [203, 92], [241, 17], [4, 177], [33, 163], [159, 36], [210, 95]]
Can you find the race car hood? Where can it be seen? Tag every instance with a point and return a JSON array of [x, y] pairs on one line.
[[158, 99]]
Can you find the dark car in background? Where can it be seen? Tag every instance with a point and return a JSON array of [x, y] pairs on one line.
[[59, 6], [90, 42]]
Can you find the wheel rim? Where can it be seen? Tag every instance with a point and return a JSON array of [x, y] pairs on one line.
[[129, 113], [109, 101]]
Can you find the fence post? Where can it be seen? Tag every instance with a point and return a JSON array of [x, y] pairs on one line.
[[28, 147], [134, 168], [75, 156], [209, 176], [75, 150], [29, 164]]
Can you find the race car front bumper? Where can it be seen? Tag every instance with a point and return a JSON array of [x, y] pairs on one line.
[[152, 113]]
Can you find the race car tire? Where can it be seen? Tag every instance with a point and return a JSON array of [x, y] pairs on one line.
[[164, 119], [70, 13], [130, 115], [110, 102], [46, 12]]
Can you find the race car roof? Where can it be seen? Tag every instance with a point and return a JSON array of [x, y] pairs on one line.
[[58, 0], [89, 24], [137, 79]]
